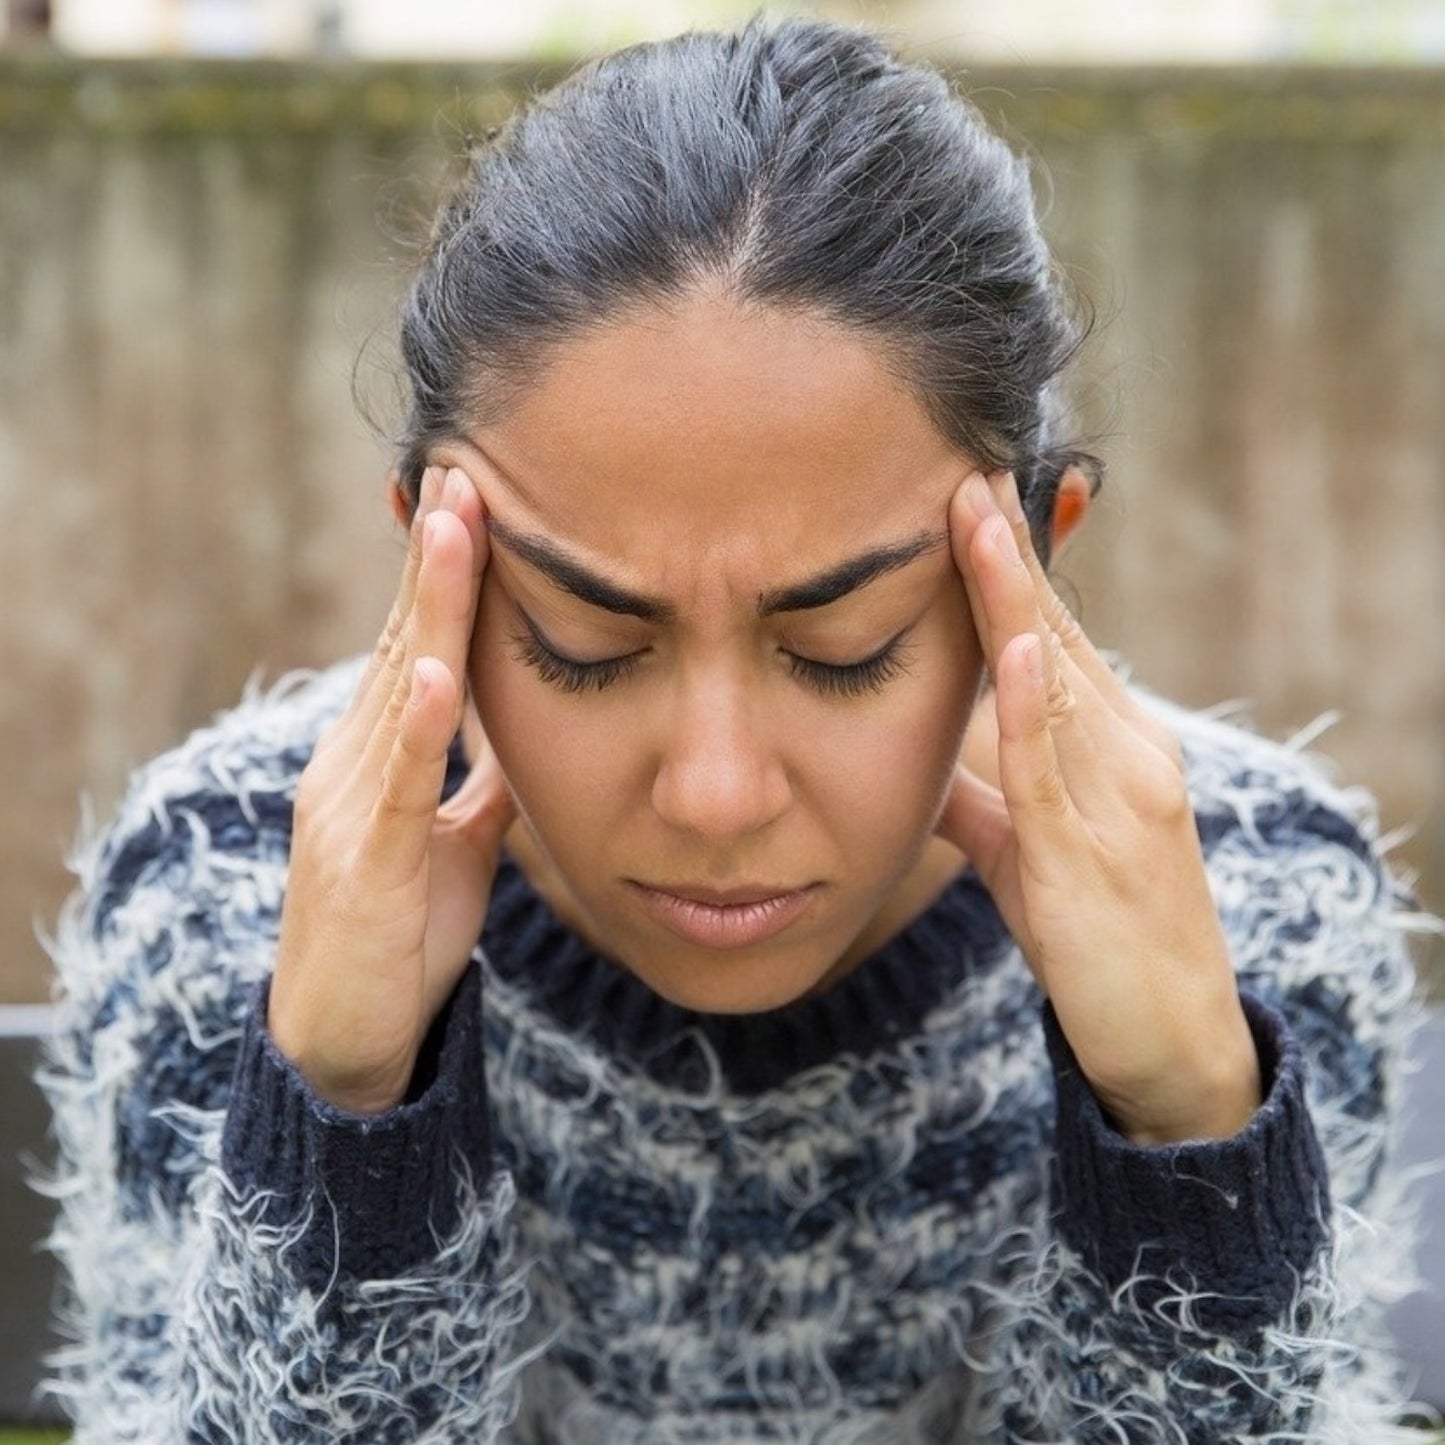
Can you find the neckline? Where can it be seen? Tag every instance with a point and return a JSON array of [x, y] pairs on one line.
[[885, 996]]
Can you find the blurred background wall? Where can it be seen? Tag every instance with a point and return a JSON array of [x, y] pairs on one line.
[[194, 253]]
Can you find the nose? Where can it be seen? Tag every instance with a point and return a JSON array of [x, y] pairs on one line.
[[720, 775]]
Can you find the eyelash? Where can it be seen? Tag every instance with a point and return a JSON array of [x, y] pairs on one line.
[[873, 674]]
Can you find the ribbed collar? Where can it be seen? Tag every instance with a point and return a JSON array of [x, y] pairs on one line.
[[887, 995]]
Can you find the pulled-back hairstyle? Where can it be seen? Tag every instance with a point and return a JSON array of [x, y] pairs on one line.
[[803, 165]]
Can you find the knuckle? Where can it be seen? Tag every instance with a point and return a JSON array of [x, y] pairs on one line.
[[398, 695], [391, 800], [401, 793], [1050, 796], [395, 622], [1120, 874], [391, 794], [1063, 622], [1061, 701], [1161, 793]]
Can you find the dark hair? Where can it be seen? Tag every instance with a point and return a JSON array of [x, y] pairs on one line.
[[803, 164]]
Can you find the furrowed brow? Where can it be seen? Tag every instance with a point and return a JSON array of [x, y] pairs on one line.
[[819, 591], [849, 576], [571, 576]]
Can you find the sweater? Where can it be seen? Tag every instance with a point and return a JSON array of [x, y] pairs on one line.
[[890, 1212]]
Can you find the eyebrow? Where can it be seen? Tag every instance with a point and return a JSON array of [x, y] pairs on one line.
[[819, 591]]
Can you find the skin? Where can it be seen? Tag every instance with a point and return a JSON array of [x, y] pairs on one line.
[[705, 455]]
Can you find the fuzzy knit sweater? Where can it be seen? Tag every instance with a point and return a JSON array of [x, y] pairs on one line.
[[893, 1212]]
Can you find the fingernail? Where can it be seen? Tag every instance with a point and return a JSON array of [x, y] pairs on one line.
[[978, 496], [431, 482]]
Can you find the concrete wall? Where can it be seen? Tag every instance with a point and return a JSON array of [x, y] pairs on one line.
[[191, 258]]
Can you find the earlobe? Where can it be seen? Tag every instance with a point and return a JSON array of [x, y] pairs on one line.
[[1071, 503]]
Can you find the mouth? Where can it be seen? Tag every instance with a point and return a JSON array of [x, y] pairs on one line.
[[724, 918]]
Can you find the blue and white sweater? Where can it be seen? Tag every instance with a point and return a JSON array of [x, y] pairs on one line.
[[890, 1213]]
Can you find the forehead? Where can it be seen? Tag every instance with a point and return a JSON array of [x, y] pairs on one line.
[[744, 440]]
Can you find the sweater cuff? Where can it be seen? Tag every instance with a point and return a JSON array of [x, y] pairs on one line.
[[375, 1192], [1235, 1223]]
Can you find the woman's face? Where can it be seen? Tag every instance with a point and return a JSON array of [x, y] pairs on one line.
[[722, 646]]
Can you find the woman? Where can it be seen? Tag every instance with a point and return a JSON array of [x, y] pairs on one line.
[[818, 1075]]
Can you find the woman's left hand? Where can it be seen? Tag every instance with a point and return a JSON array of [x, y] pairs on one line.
[[1089, 848]]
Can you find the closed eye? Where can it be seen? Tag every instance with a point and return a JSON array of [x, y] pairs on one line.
[[873, 674], [829, 679], [566, 673]]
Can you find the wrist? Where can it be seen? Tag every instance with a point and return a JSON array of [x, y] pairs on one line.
[[1213, 1100], [352, 1092]]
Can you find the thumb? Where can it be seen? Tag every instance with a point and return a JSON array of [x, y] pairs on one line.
[[975, 819], [482, 808]]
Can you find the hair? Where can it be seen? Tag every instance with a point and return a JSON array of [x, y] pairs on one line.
[[804, 165]]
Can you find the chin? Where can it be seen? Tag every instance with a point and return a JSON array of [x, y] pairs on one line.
[[727, 983]]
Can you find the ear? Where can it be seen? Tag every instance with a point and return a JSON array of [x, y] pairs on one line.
[[1071, 502], [396, 499]]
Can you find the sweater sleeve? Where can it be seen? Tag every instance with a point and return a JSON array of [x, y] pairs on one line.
[[240, 1261], [1213, 1292]]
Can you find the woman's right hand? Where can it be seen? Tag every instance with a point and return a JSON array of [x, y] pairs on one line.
[[388, 887]]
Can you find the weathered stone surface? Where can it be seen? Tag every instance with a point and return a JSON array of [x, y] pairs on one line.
[[192, 257]]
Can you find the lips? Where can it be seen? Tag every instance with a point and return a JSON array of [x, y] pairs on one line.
[[723, 897], [724, 918]]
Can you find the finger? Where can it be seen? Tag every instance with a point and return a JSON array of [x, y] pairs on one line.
[[1004, 489], [1095, 748], [970, 506], [374, 715], [1097, 751], [438, 627], [446, 617], [383, 674], [402, 817], [1003, 591], [468, 505], [1005, 597], [975, 819], [482, 808], [1084, 732], [1045, 819]]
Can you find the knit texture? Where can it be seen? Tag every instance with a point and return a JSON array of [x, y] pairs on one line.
[[894, 1212]]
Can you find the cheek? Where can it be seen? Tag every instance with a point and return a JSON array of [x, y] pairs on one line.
[[929, 740], [886, 769], [555, 755]]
